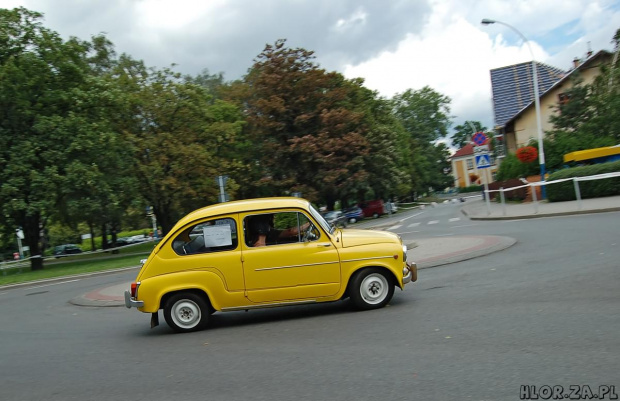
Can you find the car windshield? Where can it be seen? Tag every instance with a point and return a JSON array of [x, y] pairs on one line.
[[321, 220]]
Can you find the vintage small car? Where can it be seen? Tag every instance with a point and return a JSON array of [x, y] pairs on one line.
[[262, 253]]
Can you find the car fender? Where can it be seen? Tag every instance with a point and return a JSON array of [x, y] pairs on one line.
[[154, 289]]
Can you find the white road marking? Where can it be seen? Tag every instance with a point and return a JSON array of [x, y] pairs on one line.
[[455, 219], [395, 227], [433, 222], [413, 225]]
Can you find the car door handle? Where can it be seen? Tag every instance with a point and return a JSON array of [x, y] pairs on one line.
[[324, 245]]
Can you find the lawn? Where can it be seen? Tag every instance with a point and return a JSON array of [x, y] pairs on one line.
[[128, 256]]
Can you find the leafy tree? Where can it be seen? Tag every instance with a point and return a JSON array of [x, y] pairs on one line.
[[425, 115], [307, 126], [464, 132], [50, 121], [178, 135], [591, 117]]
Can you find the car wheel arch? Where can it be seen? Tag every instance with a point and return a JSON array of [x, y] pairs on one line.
[[389, 273], [196, 291]]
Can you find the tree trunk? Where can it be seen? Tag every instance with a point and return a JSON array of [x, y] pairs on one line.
[[164, 220], [104, 236], [32, 234], [91, 228]]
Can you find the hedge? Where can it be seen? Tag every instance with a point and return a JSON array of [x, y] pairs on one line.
[[565, 191]]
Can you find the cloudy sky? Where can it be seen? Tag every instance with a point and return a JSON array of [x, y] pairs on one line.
[[393, 44]]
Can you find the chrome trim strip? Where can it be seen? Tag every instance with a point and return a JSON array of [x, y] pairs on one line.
[[371, 258], [292, 266], [264, 306]]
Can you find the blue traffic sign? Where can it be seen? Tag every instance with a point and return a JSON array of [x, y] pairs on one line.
[[483, 161], [479, 138]]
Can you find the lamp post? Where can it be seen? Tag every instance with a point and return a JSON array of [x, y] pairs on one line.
[[541, 152]]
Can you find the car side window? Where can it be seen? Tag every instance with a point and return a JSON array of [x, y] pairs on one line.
[[207, 236], [279, 228]]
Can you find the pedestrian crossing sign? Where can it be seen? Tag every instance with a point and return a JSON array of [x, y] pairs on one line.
[[483, 161]]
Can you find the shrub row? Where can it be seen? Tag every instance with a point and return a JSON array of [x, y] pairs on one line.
[[565, 191], [471, 188]]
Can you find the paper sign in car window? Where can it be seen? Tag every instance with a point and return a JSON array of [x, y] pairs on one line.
[[219, 235]]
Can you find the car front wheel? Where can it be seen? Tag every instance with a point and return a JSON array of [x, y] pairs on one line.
[[186, 312], [371, 288]]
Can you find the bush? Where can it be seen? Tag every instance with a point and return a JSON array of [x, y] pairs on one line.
[[471, 188], [511, 168], [565, 191]]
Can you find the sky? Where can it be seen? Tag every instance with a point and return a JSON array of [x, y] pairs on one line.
[[394, 45]]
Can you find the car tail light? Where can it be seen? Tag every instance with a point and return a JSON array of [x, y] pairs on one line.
[[134, 288]]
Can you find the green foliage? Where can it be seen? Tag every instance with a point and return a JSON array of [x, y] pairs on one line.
[[565, 191], [590, 119], [464, 132], [471, 188], [511, 167], [425, 116]]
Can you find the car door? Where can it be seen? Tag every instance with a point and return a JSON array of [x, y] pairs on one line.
[[303, 264]]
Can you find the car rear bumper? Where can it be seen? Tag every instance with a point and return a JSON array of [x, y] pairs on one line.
[[132, 303]]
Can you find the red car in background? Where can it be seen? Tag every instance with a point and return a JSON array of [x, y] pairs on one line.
[[373, 208]]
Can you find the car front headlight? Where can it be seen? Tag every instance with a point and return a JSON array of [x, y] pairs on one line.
[[404, 253]]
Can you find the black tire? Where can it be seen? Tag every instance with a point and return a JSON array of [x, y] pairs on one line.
[[371, 288], [186, 312]]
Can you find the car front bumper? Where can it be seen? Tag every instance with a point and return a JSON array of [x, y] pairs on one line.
[[412, 273]]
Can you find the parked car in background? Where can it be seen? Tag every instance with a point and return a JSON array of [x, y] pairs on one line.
[[66, 249], [373, 208], [354, 214], [335, 218], [122, 241], [135, 239]]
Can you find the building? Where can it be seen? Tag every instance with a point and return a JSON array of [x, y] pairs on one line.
[[514, 108], [464, 168], [513, 96]]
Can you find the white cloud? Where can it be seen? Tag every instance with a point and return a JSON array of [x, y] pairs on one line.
[[393, 45], [454, 53]]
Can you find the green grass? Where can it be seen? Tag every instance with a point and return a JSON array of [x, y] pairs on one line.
[[78, 264]]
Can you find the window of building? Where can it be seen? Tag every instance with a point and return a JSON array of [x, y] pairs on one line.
[[470, 164]]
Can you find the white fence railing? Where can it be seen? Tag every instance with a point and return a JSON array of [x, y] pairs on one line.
[[531, 185], [25, 262]]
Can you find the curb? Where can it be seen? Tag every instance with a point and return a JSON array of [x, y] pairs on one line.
[[490, 244], [540, 215]]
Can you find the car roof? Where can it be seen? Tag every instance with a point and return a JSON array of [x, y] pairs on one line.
[[246, 205]]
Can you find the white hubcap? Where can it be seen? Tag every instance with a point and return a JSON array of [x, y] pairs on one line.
[[374, 288], [186, 314]]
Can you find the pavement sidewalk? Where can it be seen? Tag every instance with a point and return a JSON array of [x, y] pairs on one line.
[[436, 251]]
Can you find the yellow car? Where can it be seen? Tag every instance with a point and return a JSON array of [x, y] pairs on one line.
[[262, 253]]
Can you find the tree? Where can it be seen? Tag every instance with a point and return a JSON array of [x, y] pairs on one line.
[[464, 132], [591, 117], [425, 115], [177, 133], [50, 122], [306, 124]]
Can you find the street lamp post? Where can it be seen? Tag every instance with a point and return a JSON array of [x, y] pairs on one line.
[[541, 151]]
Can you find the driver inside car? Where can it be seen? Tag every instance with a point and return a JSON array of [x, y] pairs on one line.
[[262, 231]]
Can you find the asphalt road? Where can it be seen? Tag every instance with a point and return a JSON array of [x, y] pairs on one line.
[[542, 312]]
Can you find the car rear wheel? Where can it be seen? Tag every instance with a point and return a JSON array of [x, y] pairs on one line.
[[371, 288], [186, 312]]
